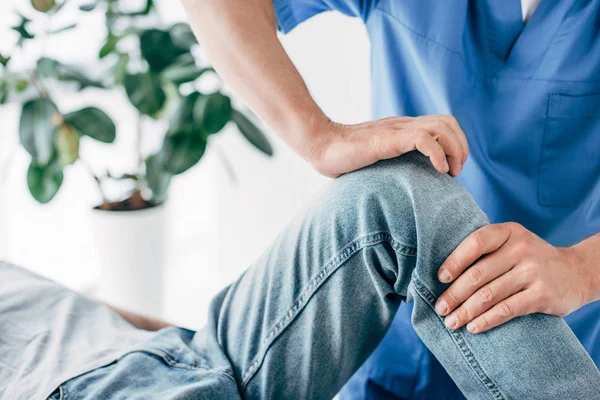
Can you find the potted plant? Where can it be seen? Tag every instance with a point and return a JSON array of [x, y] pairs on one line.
[[158, 69]]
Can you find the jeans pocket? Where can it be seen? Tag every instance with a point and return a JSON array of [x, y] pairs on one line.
[[570, 158]]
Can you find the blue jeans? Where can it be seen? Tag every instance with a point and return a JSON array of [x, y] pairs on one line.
[[302, 320]]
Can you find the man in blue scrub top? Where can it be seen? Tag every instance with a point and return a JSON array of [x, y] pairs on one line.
[[522, 79]]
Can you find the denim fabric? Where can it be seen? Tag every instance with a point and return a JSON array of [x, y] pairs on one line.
[[302, 320], [49, 334], [164, 367], [315, 305]]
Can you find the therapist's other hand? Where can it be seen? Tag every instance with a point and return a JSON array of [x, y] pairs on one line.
[[345, 148], [504, 271]]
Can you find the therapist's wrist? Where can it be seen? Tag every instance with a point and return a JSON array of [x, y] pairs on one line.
[[313, 131], [324, 135], [586, 257]]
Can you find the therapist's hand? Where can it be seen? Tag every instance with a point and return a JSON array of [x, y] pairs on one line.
[[339, 149], [504, 271]]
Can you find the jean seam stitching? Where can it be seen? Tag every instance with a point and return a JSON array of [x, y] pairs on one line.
[[458, 338], [166, 358], [314, 284]]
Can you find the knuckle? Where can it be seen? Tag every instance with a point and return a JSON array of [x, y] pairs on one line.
[[520, 248], [450, 298], [442, 125], [541, 294], [450, 118], [505, 310], [532, 272], [474, 274], [514, 227], [486, 294], [453, 266], [462, 314], [483, 322], [541, 298], [421, 137], [478, 240]]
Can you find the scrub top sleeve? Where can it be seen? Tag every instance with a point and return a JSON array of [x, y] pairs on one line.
[[290, 13]]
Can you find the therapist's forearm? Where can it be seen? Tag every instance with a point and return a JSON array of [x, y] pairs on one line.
[[240, 38]]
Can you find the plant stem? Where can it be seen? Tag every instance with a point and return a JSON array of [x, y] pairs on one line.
[[139, 152], [226, 163], [96, 179], [39, 86]]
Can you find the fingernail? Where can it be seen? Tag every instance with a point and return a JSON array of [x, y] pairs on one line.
[[451, 321], [446, 166], [445, 276], [441, 307], [472, 328]]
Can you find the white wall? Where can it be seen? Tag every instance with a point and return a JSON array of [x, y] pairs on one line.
[[218, 227]]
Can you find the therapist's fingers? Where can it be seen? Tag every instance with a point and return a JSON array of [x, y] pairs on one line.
[[461, 135], [485, 298], [515, 306], [448, 139], [456, 128], [473, 279], [483, 241], [426, 144]]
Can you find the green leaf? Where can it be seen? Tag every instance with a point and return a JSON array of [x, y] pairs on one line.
[[3, 90], [182, 35], [21, 85], [149, 6], [145, 92], [120, 69], [183, 117], [186, 58], [44, 181], [212, 112], [123, 177], [92, 122], [109, 46], [158, 49], [43, 5], [50, 68], [88, 7], [181, 151], [158, 179], [63, 29], [252, 133], [37, 130], [179, 74], [4, 60], [67, 146], [22, 30]]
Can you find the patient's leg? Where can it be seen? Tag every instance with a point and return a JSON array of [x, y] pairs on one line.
[[310, 311]]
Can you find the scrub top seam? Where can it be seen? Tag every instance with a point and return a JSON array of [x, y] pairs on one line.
[[487, 73], [385, 12]]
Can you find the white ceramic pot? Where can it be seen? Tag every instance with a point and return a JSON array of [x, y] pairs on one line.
[[131, 247]]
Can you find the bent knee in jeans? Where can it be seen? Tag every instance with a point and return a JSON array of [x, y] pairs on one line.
[[418, 206]]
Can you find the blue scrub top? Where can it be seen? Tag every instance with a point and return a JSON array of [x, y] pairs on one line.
[[527, 97]]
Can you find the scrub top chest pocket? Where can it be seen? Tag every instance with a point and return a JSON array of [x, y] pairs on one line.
[[570, 158]]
